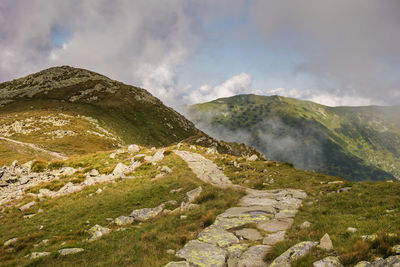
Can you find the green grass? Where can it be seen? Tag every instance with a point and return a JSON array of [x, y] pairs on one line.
[[64, 220]]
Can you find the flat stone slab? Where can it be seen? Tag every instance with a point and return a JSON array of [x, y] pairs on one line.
[[254, 257], [178, 264], [249, 234], [293, 254], [275, 225], [229, 223], [254, 211], [69, 251], [217, 236], [257, 201], [328, 262], [272, 239], [147, 213], [203, 254]]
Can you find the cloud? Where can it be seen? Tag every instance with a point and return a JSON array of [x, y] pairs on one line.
[[326, 98], [348, 47], [238, 84], [138, 42]]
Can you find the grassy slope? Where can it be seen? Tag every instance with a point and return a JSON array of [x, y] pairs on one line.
[[64, 219], [355, 143], [130, 113]]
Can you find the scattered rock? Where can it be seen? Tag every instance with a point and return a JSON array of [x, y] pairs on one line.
[[351, 229], [249, 234], [183, 217], [369, 237], [133, 148], [203, 254], [166, 169], [97, 231], [120, 169], [272, 239], [10, 241], [94, 173], [293, 254], [98, 191], [178, 264], [175, 190], [254, 256], [328, 262], [192, 195], [253, 157], [325, 243], [159, 155], [305, 225], [344, 189], [396, 249], [69, 251], [36, 255], [123, 220], [170, 251], [27, 206], [336, 182], [147, 213]]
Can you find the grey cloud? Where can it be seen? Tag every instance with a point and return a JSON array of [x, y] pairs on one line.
[[351, 47]]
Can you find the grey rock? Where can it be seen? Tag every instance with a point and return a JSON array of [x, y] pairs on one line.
[[10, 241], [351, 229], [178, 264], [133, 148], [217, 236], [166, 169], [325, 243], [36, 255], [272, 239], [203, 254], [250, 200], [123, 220], [69, 251], [159, 155], [147, 213], [120, 169], [170, 251], [253, 157], [293, 254], [97, 231], [192, 195], [275, 225], [249, 234], [27, 206], [253, 211], [254, 256], [396, 249], [94, 173], [305, 225], [328, 262], [344, 189]]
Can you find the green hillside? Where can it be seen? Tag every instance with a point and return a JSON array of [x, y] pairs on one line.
[[357, 143]]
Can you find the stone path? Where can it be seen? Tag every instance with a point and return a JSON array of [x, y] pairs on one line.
[[54, 154], [220, 244]]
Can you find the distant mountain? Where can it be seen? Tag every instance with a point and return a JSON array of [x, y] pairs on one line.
[[357, 143]]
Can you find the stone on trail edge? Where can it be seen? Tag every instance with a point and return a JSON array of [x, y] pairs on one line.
[[293, 254], [215, 245]]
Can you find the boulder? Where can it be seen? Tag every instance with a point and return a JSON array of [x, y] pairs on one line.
[[272, 239], [396, 249], [325, 243], [97, 231], [166, 169], [147, 213], [249, 234], [159, 155], [192, 195], [120, 169], [123, 220], [351, 229], [36, 255], [178, 264], [254, 256], [133, 148], [69, 251], [328, 262], [203, 254], [293, 254], [10, 241], [27, 206], [253, 157], [94, 173], [305, 225]]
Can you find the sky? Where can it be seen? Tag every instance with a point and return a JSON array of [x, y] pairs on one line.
[[337, 52]]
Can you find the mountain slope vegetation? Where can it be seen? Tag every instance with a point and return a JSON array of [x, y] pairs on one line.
[[357, 143]]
